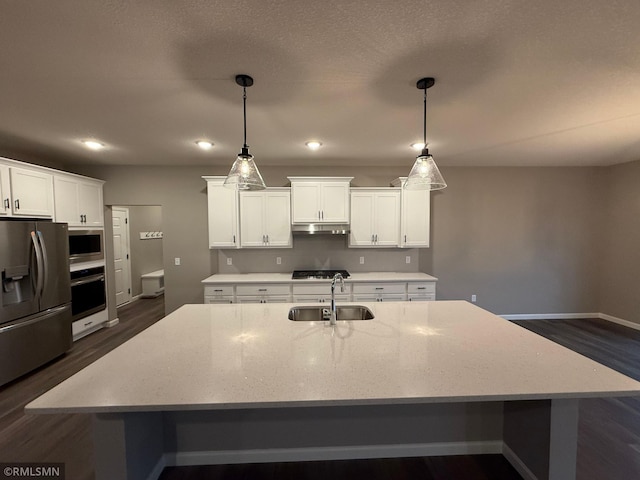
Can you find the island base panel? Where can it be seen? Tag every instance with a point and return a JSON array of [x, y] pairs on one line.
[[535, 436]]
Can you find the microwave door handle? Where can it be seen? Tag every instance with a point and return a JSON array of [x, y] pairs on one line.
[[45, 262], [39, 265]]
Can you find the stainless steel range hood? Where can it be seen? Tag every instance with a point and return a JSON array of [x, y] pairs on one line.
[[320, 229]]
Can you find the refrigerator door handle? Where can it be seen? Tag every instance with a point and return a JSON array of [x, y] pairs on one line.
[[40, 265], [45, 262]]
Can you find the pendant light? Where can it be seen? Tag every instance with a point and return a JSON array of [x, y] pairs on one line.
[[425, 174], [244, 174]]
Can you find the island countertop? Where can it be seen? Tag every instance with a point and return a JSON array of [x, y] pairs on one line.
[[204, 357]]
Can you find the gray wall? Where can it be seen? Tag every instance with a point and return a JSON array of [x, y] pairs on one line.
[[146, 255], [620, 279], [524, 240]]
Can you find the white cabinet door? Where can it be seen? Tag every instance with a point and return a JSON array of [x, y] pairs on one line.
[[222, 207], [252, 219], [277, 219], [375, 218], [362, 219], [91, 205], [5, 191], [415, 218], [320, 199], [31, 192], [387, 219], [265, 219], [78, 202], [66, 199], [334, 206]]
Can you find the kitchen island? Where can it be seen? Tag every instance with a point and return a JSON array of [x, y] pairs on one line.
[[242, 383]]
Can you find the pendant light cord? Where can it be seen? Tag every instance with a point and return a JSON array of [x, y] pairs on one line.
[[244, 108], [424, 123]]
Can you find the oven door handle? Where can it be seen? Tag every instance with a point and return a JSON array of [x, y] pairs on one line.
[[83, 280]]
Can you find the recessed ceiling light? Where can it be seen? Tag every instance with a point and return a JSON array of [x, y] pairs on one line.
[[313, 145], [93, 144], [417, 146], [204, 144]]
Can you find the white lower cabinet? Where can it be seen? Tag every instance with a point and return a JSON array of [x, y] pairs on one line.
[[218, 294], [421, 292], [379, 292], [320, 293], [263, 293]]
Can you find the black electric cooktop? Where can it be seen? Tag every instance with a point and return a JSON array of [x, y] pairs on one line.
[[302, 274]]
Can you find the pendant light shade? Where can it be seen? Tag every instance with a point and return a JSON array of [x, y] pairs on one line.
[[425, 174], [244, 173]]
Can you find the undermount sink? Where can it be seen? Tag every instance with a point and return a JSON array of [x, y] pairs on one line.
[[318, 314]]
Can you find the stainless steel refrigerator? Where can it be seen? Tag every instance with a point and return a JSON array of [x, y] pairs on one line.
[[35, 298]]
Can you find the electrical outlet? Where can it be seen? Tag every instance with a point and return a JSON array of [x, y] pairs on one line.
[[176, 261], [407, 259], [278, 260], [361, 260], [229, 261], [473, 298]]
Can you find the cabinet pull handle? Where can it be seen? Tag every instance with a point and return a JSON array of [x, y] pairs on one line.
[[379, 288], [87, 324], [322, 212], [6, 203], [262, 289], [267, 238], [405, 239], [218, 290], [376, 238], [319, 215], [234, 239], [371, 238], [17, 204], [422, 288]]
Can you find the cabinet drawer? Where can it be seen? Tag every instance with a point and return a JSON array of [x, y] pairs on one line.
[[218, 290], [263, 289], [320, 298], [215, 299], [422, 298], [320, 289], [422, 288], [379, 288]]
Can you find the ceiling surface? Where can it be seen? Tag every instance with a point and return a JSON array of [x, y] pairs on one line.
[[517, 83]]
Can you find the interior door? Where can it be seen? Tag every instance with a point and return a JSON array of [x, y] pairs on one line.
[[121, 255]]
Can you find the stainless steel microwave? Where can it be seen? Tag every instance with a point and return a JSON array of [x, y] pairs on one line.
[[86, 245]]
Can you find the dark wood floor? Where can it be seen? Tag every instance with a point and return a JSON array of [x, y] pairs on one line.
[[64, 438], [609, 429]]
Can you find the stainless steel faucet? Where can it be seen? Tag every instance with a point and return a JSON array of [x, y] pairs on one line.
[[337, 276]]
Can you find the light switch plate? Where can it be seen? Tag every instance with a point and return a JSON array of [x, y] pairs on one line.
[[229, 261], [361, 260], [177, 261], [278, 260]]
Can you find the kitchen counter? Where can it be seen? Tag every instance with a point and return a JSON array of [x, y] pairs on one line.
[[226, 278], [470, 373]]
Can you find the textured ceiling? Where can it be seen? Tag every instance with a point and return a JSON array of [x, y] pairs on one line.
[[517, 83]]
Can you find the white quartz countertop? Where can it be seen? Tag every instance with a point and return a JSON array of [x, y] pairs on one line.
[[219, 278], [250, 355]]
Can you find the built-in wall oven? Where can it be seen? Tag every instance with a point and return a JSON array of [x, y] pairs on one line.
[[86, 246], [88, 294]]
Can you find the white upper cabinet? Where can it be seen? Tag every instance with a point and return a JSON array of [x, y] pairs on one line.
[[375, 217], [31, 193], [265, 219], [223, 213], [320, 199], [5, 191], [415, 216], [78, 201]]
